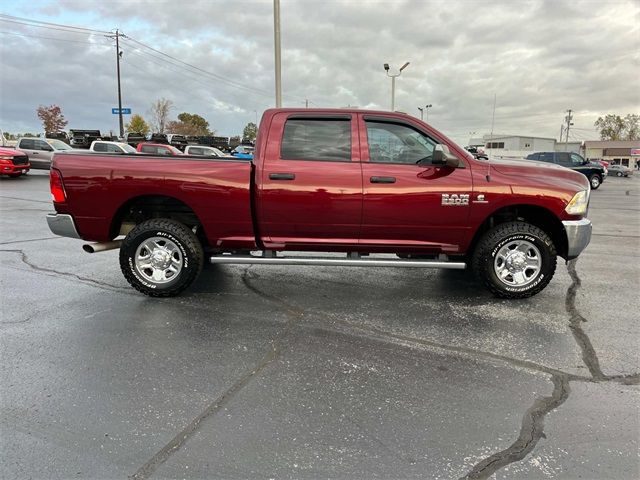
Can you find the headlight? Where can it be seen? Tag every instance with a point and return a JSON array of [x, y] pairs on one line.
[[6, 157], [578, 204]]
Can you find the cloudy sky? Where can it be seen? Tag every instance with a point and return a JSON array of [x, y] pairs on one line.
[[538, 57]]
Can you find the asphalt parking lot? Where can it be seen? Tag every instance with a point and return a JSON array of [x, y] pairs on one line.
[[301, 372]]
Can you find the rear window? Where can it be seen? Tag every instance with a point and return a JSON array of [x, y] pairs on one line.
[[99, 147], [317, 139]]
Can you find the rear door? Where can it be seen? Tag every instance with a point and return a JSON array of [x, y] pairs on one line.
[[310, 190], [409, 203]]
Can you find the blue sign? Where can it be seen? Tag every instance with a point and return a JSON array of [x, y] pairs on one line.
[[125, 111]]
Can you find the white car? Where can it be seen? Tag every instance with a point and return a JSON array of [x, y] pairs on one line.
[[205, 151], [111, 147], [40, 150]]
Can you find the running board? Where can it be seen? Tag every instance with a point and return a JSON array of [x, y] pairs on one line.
[[334, 262]]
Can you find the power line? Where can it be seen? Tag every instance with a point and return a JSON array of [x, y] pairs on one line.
[[47, 38], [41, 24]]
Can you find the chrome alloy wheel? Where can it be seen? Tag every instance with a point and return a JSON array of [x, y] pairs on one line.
[[518, 263], [595, 182], [158, 260]]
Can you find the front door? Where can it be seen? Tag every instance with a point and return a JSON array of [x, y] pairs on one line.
[[310, 190], [409, 203]]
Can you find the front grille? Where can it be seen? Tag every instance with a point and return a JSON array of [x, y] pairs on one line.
[[20, 160]]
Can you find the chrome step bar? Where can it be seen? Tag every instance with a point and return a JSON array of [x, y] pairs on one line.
[[350, 261]]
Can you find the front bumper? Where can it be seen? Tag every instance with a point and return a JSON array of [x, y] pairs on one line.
[[578, 236], [13, 169], [62, 224]]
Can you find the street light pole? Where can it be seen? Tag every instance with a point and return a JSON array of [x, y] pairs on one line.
[[421, 113], [427, 107], [276, 40], [393, 83], [118, 55]]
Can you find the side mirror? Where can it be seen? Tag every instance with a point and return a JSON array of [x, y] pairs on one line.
[[442, 156]]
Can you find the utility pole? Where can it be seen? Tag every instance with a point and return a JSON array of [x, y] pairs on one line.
[[568, 118], [117, 36], [561, 132], [306, 103], [276, 41]]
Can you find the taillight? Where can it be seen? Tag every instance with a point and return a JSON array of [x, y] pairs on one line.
[[57, 187]]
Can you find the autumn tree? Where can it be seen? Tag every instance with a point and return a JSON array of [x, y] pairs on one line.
[[614, 127], [189, 124], [137, 124], [250, 132], [52, 118], [159, 113]]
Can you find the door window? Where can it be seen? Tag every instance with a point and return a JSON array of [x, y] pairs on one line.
[[576, 160], [546, 157], [42, 145], [100, 147], [564, 159], [113, 148], [196, 151], [396, 143], [326, 140], [27, 143]]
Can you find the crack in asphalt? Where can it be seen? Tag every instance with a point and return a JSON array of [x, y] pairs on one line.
[[220, 402], [30, 240], [531, 431], [28, 200], [533, 421], [53, 273]]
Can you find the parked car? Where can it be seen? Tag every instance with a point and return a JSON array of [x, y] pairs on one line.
[[62, 136], [111, 147], [40, 150], [13, 162], [158, 149], [134, 138], [243, 151], [593, 171], [157, 138], [83, 138], [178, 141], [620, 170], [477, 153], [203, 150], [311, 189]]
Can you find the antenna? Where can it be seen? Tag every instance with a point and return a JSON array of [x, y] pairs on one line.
[[493, 119]]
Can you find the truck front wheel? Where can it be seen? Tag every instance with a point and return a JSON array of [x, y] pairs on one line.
[[161, 257], [515, 260]]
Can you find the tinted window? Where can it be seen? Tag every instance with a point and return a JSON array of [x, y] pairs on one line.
[[27, 143], [113, 148], [196, 151], [42, 145], [147, 149], [100, 147], [316, 139], [546, 157], [533, 156], [563, 158], [395, 143]]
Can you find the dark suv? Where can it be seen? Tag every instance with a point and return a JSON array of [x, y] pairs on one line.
[[593, 171]]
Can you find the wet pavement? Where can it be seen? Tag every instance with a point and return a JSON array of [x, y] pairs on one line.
[[300, 372]]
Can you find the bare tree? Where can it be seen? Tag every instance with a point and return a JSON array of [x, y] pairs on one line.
[[159, 113]]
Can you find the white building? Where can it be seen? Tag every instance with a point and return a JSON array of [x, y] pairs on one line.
[[513, 146], [621, 152]]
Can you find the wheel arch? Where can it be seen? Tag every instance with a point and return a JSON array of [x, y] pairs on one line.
[[144, 207], [536, 215]]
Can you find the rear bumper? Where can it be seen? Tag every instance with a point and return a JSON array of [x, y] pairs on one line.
[[62, 224], [578, 236]]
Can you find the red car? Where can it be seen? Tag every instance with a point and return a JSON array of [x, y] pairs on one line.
[[158, 149], [13, 162], [359, 182]]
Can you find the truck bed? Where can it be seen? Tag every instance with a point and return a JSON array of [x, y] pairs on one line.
[[100, 188]]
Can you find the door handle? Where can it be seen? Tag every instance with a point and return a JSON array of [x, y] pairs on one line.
[[34, 153], [382, 179], [282, 176]]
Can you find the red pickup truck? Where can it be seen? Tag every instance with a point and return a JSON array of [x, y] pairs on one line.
[[384, 188]]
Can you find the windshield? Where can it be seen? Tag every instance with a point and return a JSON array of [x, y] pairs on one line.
[[218, 152], [58, 145], [127, 148]]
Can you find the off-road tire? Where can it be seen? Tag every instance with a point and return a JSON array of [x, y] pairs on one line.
[[180, 235], [487, 248], [595, 181]]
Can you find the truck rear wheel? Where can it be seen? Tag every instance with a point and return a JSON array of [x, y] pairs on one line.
[[161, 257], [515, 260], [595, 180]]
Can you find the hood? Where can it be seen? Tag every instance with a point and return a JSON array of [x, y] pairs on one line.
[[542, 171], [10, 151]]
